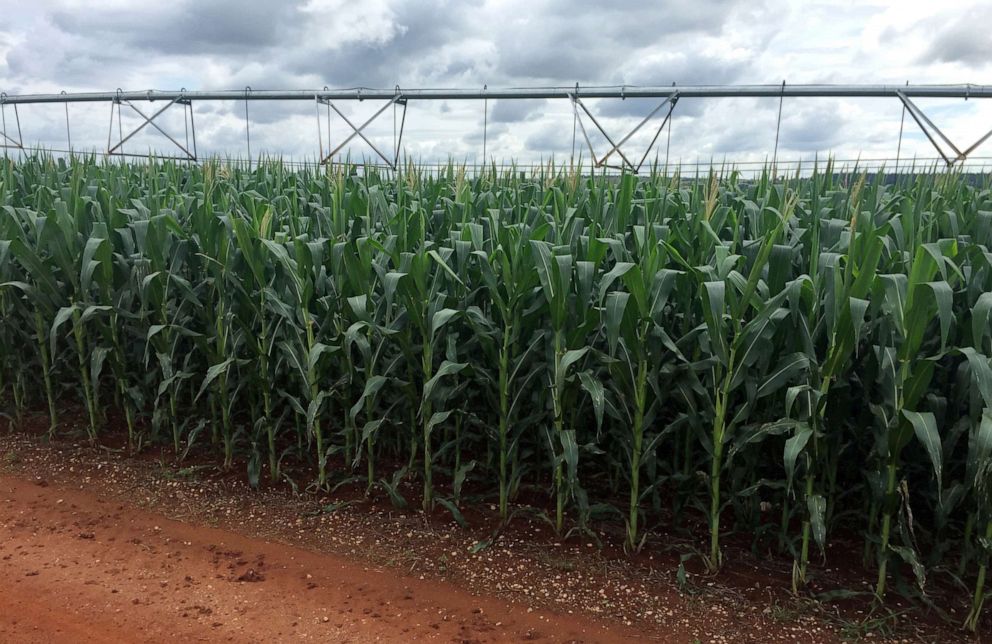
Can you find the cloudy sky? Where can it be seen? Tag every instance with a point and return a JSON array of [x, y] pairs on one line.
[[78, 45]]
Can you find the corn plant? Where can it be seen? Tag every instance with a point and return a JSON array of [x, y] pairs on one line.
[[907, 306], [508, 276], [641, 350], [368, 336], [301, 348], [422, 287]]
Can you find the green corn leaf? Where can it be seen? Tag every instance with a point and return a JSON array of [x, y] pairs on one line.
[[213, 373], [570, 453], [441, 318], [943, 298], [981, 373], [616, 304], [436, 419], [446, 369], [925, 427], [787, 369], [61, 317], [981, 319], [98, 356], [316, 351], [793, 448], [713, 311], [568, 359], [816, 505], [597, 393], [372, 387]]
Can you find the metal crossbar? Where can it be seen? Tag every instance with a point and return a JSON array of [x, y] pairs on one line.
[[670, 101], [117, 148], [615, 148], [358, 131], [626, 91], [576, 101]]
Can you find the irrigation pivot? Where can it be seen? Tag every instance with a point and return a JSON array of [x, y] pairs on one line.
[[669, 95]]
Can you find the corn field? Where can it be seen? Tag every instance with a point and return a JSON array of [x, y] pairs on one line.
[[780, 359]]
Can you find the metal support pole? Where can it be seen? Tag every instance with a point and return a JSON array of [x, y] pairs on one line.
[[120, 129], [320, 136], [68, 135], [485, 125], [575, 117], [902, 122], [110, 128], [3, 125], [585, 135], [192, 128], [668, 145], [187, 106], [399, 140], [247, 127], [778, 128], [20, 136]]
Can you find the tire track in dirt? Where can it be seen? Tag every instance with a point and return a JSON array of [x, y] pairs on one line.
[[78, 567]]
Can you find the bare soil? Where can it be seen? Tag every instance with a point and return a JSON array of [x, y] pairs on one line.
[[97, 546]]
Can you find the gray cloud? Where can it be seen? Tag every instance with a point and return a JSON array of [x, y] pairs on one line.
[[265, 112], [594, 42], [412, 52], [747, 126], [190, 27], [493, 135], [515, 111], [967, 39], [48, 45], [630, 107], [555, 138], [812, 129]]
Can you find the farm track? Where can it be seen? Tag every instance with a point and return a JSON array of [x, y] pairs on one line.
[[81, 567], [98, 547]]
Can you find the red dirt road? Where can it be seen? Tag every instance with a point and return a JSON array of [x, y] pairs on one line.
[[80, 568]]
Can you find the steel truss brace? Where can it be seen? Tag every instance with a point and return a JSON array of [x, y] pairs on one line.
[[117, 149], [577, 103], [925, 124], [6, 140], [358, 131]]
